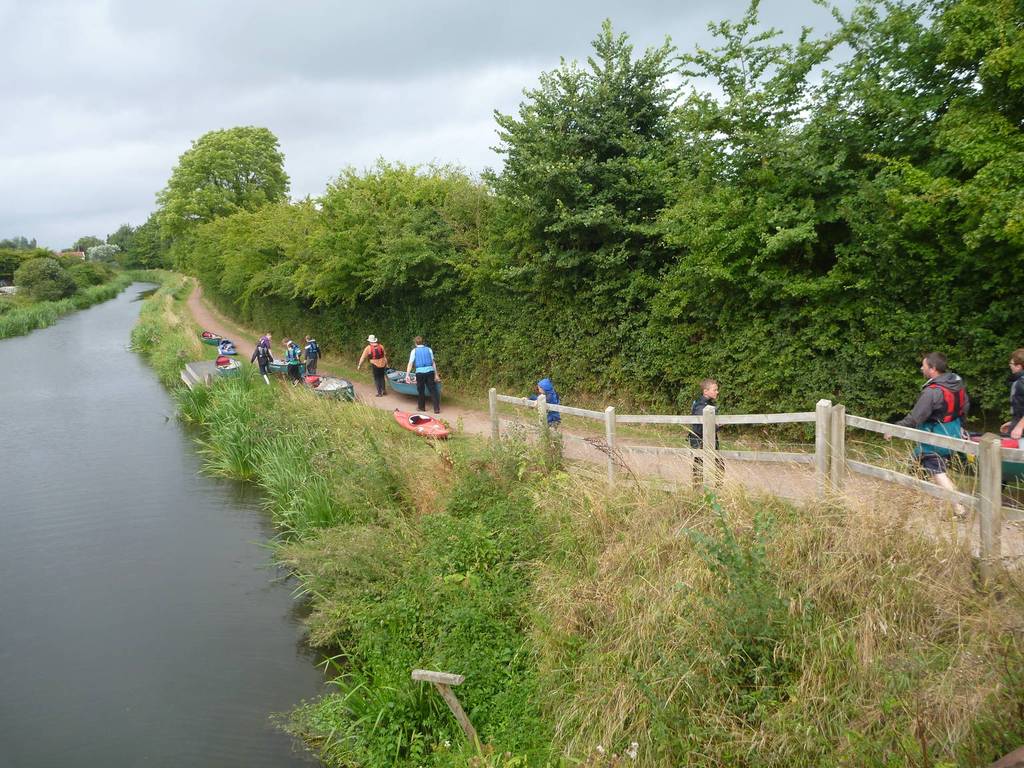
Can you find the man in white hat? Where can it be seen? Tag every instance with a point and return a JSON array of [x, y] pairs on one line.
[[378, 357]]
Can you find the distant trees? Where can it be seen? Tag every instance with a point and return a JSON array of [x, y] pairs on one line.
[[83, 244], [102, 252], [17, 244]]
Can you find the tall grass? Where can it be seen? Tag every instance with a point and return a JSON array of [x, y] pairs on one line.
[[21, 320], [605, 627]]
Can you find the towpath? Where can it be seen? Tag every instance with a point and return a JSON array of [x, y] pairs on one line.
[[792, 482]]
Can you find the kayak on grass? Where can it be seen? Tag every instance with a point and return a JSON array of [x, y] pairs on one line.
[[331, 386], [421, 424]]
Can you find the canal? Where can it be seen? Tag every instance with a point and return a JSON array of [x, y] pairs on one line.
[[142, 622]]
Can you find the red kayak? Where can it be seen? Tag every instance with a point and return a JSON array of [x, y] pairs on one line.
[[421, 424]]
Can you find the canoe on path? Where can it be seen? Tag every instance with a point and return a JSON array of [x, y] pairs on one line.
[[208, 337], [1012, 470], [421, 424], [402, 386]]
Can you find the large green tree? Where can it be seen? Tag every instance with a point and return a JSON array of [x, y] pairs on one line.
[[44, 279], [588, 160], [223, 172]]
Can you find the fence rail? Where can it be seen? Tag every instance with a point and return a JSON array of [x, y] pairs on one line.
[[829, 459]]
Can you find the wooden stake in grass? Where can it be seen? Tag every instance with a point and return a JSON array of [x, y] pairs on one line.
[[443, 682]]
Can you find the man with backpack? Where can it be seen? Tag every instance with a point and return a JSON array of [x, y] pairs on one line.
[[312, 352], [263, 357], [378, 357], [940, 408]]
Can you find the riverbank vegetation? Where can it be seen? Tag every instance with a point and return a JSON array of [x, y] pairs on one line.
[[598, 627], [49, 288], [821, 210]]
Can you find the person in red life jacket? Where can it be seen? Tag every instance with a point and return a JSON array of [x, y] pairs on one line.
[[262, 357], [1015, 426], [378, 357], [940, 408], [708, 396], [427, 376]]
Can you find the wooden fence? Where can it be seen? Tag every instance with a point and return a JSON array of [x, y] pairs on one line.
[[830, 463]]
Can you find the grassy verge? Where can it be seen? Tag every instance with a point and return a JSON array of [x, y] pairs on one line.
[[602, 628], [22, 319]]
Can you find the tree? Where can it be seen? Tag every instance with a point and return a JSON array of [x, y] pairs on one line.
[[122, 237], [18, 244], [587, 165], [44, 279], [225, 171], [102, 253], [83, 244]]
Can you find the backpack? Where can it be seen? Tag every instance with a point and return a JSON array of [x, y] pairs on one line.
[[954, 402]]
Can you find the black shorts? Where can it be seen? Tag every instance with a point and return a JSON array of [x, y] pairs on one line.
[[932, 463]]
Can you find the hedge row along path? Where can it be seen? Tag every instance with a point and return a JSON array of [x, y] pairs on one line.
[[787, 481]]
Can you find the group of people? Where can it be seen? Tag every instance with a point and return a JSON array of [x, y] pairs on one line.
[[941, 408], [294, 356], [421, 358]]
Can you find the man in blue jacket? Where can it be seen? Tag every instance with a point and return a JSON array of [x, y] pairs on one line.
[[427, 376]]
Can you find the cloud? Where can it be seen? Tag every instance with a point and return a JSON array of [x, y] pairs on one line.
[[103, 96]]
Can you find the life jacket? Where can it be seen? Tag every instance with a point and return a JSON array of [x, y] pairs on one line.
[[423, 357], [262, 354], [223, 360], [292, 355], [313, 381], [376, 351], [312, 349], [953, 401]]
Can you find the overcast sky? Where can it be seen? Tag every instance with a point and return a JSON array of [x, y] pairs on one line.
[[99, 99]]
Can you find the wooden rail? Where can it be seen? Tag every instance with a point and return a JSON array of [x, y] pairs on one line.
[[829, 459]]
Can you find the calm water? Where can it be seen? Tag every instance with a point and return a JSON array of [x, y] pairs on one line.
[[141, 622]]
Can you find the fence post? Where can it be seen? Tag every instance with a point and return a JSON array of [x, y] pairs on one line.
[[837, 457], [542, 415], [609, 436], [492, 402], [709, 440], [990, 504], [822, 419]]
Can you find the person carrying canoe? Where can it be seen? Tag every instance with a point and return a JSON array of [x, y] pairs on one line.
[[1015, 426], [312, 352], [292, 357], [263, 357], [378, 357], [940, 408], [427, 375], [708, 396], [547, 388]]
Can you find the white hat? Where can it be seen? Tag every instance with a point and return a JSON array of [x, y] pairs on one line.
[[372, 339]]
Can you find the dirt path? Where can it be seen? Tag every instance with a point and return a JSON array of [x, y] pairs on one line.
[[794, 482]]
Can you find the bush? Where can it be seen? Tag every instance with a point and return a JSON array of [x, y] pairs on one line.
[[89, 273], [44, 279]]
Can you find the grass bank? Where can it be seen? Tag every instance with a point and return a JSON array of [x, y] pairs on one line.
[[602, 628], [19, 320]]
